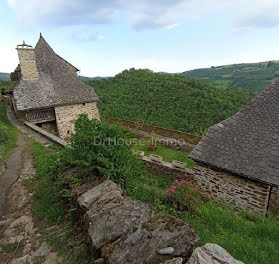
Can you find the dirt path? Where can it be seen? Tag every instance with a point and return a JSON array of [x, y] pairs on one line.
[[12, 172]]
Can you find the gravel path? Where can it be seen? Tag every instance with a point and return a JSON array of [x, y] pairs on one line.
[[11, 174]]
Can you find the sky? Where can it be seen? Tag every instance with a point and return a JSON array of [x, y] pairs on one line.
[[103, 38]]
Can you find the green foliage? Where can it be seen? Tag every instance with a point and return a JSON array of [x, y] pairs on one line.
[[8, 134], [10, 247], [184, 196], [101, 149], [47, 185], [250, 77], [175, 102], [248, 237], [4, 85]]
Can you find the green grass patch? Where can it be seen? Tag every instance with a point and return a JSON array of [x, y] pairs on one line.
[[167, 153], [8, 134], [247, 237], [10, 247], [46, 184], [63, 247]]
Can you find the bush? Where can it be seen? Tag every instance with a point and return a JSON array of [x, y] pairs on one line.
[[184, 196], [101, 149]]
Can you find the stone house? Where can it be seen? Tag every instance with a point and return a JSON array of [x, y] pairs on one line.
[[47, 91], [237, 161]]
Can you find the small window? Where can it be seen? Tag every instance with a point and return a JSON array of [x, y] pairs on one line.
[[68, 132], [83, 103]]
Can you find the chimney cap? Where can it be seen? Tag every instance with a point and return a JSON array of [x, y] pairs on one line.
[[24, 45]]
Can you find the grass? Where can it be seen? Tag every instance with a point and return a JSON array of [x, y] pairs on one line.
[[250, 238], [8, 134], [247, 237], [10, 247], [49, 205], [167, 153]]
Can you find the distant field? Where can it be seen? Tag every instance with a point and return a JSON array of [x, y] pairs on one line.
[[250, 77]]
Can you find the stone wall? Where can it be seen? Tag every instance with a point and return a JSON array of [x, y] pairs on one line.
[[168, 170], [66, 114], [218, 185], [240, 193], [274, 200], [28, 64], [165, 132]]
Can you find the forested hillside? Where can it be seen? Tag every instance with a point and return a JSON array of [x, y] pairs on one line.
[[175, 102], [4, 76], [251, 77], [4, 85]]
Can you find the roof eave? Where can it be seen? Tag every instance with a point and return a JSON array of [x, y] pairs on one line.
[[62, 104]]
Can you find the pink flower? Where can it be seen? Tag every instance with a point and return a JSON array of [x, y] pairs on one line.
[[172, 188], [181, 182]]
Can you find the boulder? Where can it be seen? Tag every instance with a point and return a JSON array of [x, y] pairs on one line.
[[108, 188], [212, 254], [159, 234], [109, 219]]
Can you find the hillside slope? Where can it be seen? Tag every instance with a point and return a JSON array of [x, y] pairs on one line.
[[175, 102], [251, 77], [4, 76], [4, 85]]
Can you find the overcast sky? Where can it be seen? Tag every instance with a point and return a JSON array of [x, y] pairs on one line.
[[104, 37]]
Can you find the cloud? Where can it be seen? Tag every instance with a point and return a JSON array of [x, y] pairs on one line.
[[144, 14], [85, 34], [173, 26], [258, 14]]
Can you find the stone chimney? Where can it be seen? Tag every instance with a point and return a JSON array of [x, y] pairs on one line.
[[27, 60]]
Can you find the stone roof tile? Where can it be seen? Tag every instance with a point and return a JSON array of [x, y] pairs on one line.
[[246, 144], [56, 85]]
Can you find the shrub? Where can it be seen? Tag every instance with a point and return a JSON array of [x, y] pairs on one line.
[[100, 149], [184, 196]]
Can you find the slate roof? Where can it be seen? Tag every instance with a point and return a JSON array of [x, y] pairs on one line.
[[56, 85], [247, 143]]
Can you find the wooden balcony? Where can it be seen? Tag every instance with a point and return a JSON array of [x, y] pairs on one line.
[[41, 116]]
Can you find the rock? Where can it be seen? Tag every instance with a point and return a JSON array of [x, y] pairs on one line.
[[15, 239], [29, 228], [27, 248], [51, 259], [23, 220], [174, 261], [143, 244], [166, 251], [23, 260], [94, 194], [10, 232], [42, 251], [115, 218], [212, 254], [6, 222]]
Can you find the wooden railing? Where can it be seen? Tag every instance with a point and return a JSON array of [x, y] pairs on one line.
[[41, 116]]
